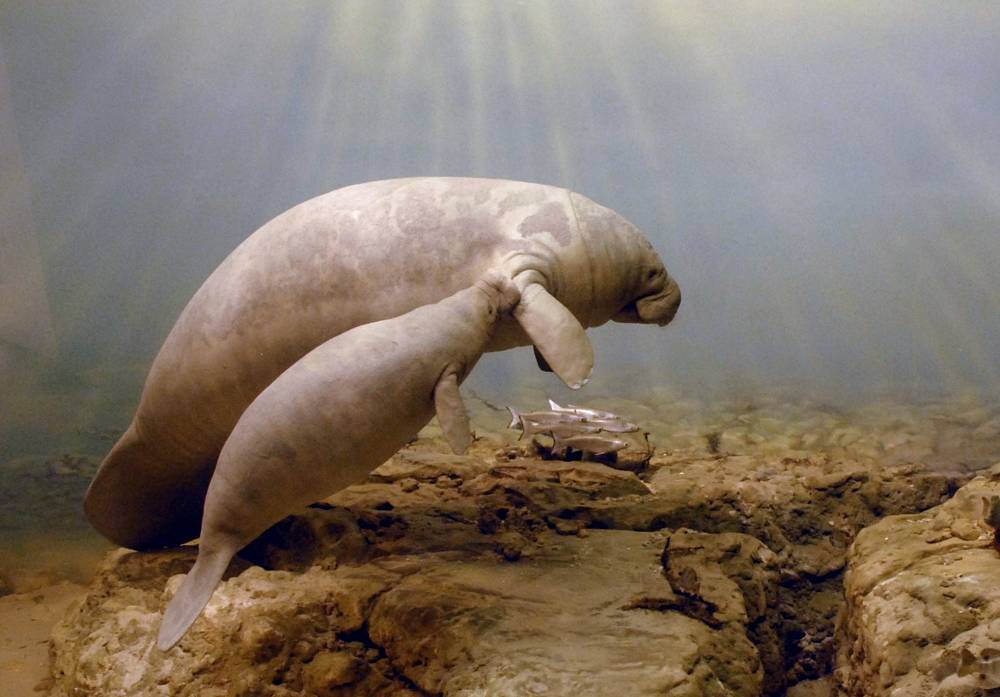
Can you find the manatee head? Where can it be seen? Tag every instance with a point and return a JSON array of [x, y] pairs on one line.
[[630, 282], [656, 295], [500, 291]]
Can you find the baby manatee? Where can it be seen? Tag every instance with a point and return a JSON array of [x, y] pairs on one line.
[[340, 411]]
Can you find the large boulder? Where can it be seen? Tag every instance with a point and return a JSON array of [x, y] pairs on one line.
[[922, 616]]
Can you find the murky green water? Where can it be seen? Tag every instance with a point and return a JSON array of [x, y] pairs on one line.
[[820, 178]]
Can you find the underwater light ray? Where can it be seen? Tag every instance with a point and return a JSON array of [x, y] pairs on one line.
[[25, 314], [516, 49], [176, 89], [359, 32], [552, 69], [473, 17], [441, 101], [857, 307], [955, 331], [323, 125], [513, 51], [342, 110], [364, 132], [440, 118], [405, 72], [690, 30], [606, 32], [65, 134], [929, 313], [978, 170], [292, 107], [74, 141], [975, 262], [243, 87], [958, 333], [967, 260]]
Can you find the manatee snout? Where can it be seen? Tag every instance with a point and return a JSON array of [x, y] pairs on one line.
[[660, 307]]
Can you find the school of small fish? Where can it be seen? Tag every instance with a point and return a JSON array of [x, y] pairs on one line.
[[574, 427]]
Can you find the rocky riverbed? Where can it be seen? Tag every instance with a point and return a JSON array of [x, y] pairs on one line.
[[716, 569]]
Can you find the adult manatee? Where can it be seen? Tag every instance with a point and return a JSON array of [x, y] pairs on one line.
[[356, 255]]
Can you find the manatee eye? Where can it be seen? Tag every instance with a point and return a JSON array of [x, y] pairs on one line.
[[651, 274]]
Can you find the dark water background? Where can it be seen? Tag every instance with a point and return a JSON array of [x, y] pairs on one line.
[[822, 178]]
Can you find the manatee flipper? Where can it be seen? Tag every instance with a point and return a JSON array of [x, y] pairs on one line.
[[192, 596], [556, 334], [543, 365], [451, 411]]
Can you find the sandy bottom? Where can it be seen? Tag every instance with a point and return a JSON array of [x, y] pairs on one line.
[[47, 556], [26, 620]]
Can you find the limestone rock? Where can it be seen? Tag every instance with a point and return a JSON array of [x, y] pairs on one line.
[[806, 510], [923, 601], [570, 620], [565, 621], [482, 574]]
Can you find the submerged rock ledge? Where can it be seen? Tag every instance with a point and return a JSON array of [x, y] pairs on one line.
[[500, 574], [923, 601]]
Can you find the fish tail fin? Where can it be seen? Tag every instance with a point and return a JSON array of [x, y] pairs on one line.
[[192, 597], [515, 418], [555, 407]]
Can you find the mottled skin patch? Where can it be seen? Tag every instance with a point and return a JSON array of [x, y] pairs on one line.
[[551, 219], [523, 197], [353, 256]]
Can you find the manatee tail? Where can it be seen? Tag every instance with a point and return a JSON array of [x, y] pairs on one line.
[[192, 596], [146, 497]]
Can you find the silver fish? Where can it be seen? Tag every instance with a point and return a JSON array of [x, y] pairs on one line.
[[618, 425], [608, 421], [592, 445], [556, 428], [518, 419], [562, 432], [584, 411]]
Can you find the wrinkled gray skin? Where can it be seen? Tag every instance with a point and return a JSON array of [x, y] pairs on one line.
[[356, 255], [334, 416]]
